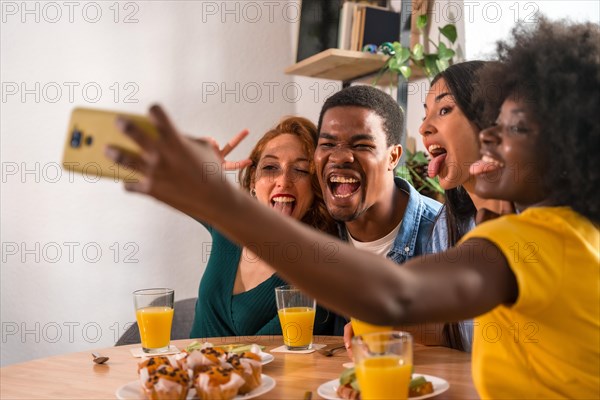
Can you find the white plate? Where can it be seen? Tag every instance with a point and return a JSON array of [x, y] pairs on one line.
[[328, 390], [266, 357], [132, 390]]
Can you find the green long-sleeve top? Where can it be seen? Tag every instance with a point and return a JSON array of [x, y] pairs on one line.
[[254, 312]]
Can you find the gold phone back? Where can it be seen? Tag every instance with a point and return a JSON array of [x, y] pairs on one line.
[[84, 151]]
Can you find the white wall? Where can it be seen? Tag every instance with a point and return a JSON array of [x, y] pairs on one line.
[[53, 303], [490, 21]]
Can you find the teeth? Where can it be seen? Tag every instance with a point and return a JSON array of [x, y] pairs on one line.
[[341, 179], [283, 199], [491, 160], [342, 196], [435, 150]]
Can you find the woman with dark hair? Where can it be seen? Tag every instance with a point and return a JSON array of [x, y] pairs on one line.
[[237, 291], [450, 129]]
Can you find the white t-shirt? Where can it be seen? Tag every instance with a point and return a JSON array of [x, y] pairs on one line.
[[380, 246]]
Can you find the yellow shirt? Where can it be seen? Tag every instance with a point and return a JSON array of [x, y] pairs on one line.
[[547, 344]]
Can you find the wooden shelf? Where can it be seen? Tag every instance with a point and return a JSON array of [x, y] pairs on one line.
[[345, 66], [336, 64]]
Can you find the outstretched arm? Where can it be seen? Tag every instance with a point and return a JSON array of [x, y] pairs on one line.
[[460, 283]]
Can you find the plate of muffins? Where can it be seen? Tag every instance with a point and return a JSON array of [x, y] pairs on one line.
[[207, 373]]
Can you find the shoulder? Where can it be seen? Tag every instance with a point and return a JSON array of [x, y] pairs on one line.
[[536, 246], [426, 208]]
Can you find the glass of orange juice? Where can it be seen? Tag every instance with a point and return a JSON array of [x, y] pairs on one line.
[[154, 314], [360, 328], [297, 317], [383, 364]]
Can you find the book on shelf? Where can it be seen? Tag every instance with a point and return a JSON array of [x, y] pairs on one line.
[[362, 24], [347, 25], [319, 26]]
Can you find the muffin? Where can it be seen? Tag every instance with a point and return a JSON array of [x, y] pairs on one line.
[[217, 383], [249, 366], [194, 360], [162, 381]]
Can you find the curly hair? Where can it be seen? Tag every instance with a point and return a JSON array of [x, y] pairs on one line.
[[317, 216], [375, 100], [555, 67]]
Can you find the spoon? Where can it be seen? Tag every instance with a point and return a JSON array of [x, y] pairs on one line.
[[98, 359]]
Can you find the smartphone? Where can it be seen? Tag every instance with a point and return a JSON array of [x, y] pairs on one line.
[[88, 133]]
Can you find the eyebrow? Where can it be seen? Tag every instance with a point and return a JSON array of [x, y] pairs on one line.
[[439, 97], [354, 138], [274, 157]]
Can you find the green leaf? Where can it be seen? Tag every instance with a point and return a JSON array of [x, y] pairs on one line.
[[449, 31], [442, 64], [431, 68], [436, 185], [417, 52], [405, 71], [397, 47], [403, 55], [445, 53], [420, 158], [422, 21], [393, 64]]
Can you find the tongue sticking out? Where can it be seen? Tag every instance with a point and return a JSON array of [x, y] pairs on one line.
[[285, 208], [433, 169], [345, 189], [481, 167]]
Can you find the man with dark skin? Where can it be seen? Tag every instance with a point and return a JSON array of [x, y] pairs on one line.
[[358, 149]]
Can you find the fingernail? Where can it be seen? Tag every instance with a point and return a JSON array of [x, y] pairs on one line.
[[120, 122], [110, 152]]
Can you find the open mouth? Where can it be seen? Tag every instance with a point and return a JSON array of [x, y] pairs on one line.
[[342, 187], [284, 203], [438, 154], [485, 165]]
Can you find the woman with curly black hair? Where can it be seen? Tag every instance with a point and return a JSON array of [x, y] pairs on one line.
[[531, 279]]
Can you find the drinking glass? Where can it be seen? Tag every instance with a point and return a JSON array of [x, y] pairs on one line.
[[383, 364], [154, 314], [297, 317], [360, 328]]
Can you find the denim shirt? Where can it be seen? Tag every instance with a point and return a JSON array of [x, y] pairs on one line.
[[440, 231], [416, 235]]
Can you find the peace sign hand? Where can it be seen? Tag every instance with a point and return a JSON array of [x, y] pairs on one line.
[[222, 153]]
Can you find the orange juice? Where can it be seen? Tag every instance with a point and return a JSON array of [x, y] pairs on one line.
[[361, 328], [297, 326], [384, 377], [155, 326]]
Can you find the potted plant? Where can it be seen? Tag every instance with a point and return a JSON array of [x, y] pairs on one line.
[[403, 59], [414, 170]]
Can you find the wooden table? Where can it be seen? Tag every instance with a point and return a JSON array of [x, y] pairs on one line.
[[75, 376]]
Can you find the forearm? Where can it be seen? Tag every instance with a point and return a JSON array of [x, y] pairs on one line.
[[458, 284], [313, 260]]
